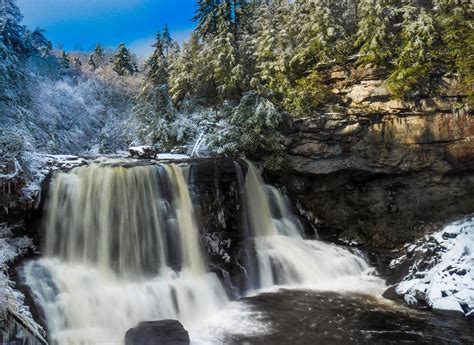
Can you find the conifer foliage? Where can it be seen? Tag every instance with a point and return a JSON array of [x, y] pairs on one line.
[[123, 62]]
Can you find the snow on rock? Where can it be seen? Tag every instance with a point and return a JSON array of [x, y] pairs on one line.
[[148, 152], [39, 166], [171, 156], [142, 152], [442, 275], [12, 302]]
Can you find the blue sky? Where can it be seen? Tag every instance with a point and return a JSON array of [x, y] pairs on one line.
[[80, 24]]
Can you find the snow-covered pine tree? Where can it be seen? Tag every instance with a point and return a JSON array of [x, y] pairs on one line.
[[97, 57], [77, 63], [40, 43], [155, 110], [91, 62], [378, 36], [323, 36], [122, 61], [181, 73], [270, 78], [227, 72], [64, 61], [457, 31], [11, 29], [167, 41], [418, 65], [206, 17]]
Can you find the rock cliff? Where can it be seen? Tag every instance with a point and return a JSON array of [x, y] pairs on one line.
[[378, 170]]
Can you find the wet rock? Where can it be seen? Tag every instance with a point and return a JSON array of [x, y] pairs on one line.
[[164, 332]]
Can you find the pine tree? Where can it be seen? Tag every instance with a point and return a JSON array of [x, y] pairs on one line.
[[155, 110], [40, 43], [206, 16], [227, 72], [64, 61], [181, 74], [378, 35], [418, 65], [77, 63], [167, 41], [323, 36], [97, 57], [158, 63], [122, 61], [91, 62], [11, 30], [457, 31], [270, 47]]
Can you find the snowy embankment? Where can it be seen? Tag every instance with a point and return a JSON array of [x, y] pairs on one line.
[[442, 273], [12, 306], [39, 166]]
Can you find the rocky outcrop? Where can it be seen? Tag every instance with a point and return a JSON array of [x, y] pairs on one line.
[[378, 170], [435, 271], [216, 188], [164, 332]]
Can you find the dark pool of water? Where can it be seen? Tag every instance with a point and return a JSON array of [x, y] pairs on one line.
[[312, 318]]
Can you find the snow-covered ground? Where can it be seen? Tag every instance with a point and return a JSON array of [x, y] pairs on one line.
[[442, 274]]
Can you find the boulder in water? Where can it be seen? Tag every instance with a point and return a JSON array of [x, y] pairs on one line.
[[163, 332]]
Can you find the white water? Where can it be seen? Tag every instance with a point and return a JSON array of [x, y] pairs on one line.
[[122, 246], [285, 258], [113, 234]]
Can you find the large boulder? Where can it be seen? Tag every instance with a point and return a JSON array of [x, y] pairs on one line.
[[163, 332]]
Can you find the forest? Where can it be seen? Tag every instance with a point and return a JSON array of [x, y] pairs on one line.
[[248, 68]]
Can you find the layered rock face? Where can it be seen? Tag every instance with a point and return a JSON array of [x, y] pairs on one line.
[[380, 171]]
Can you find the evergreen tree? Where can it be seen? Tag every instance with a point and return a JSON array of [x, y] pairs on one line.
[[77, 63], [158, 63], [378, 34], [181, 74], [418, 64], [206, 16], [40, 43], [227, 72], [168, 43], [270, 53], [323, 36], [97, 57], [11, 30], [457, 29], [155, 110], [64, 61], [122, 61]]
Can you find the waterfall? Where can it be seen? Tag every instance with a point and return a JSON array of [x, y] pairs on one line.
[[284, 257], [122, 245]]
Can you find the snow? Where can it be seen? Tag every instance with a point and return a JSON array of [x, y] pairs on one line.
[[39, 166], [444, 275], [11, 300], [447, 303], [146, 151], [166, 156]]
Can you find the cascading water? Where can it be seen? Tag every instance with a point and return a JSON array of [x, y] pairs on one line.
[[122, 246], [283, 256]]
